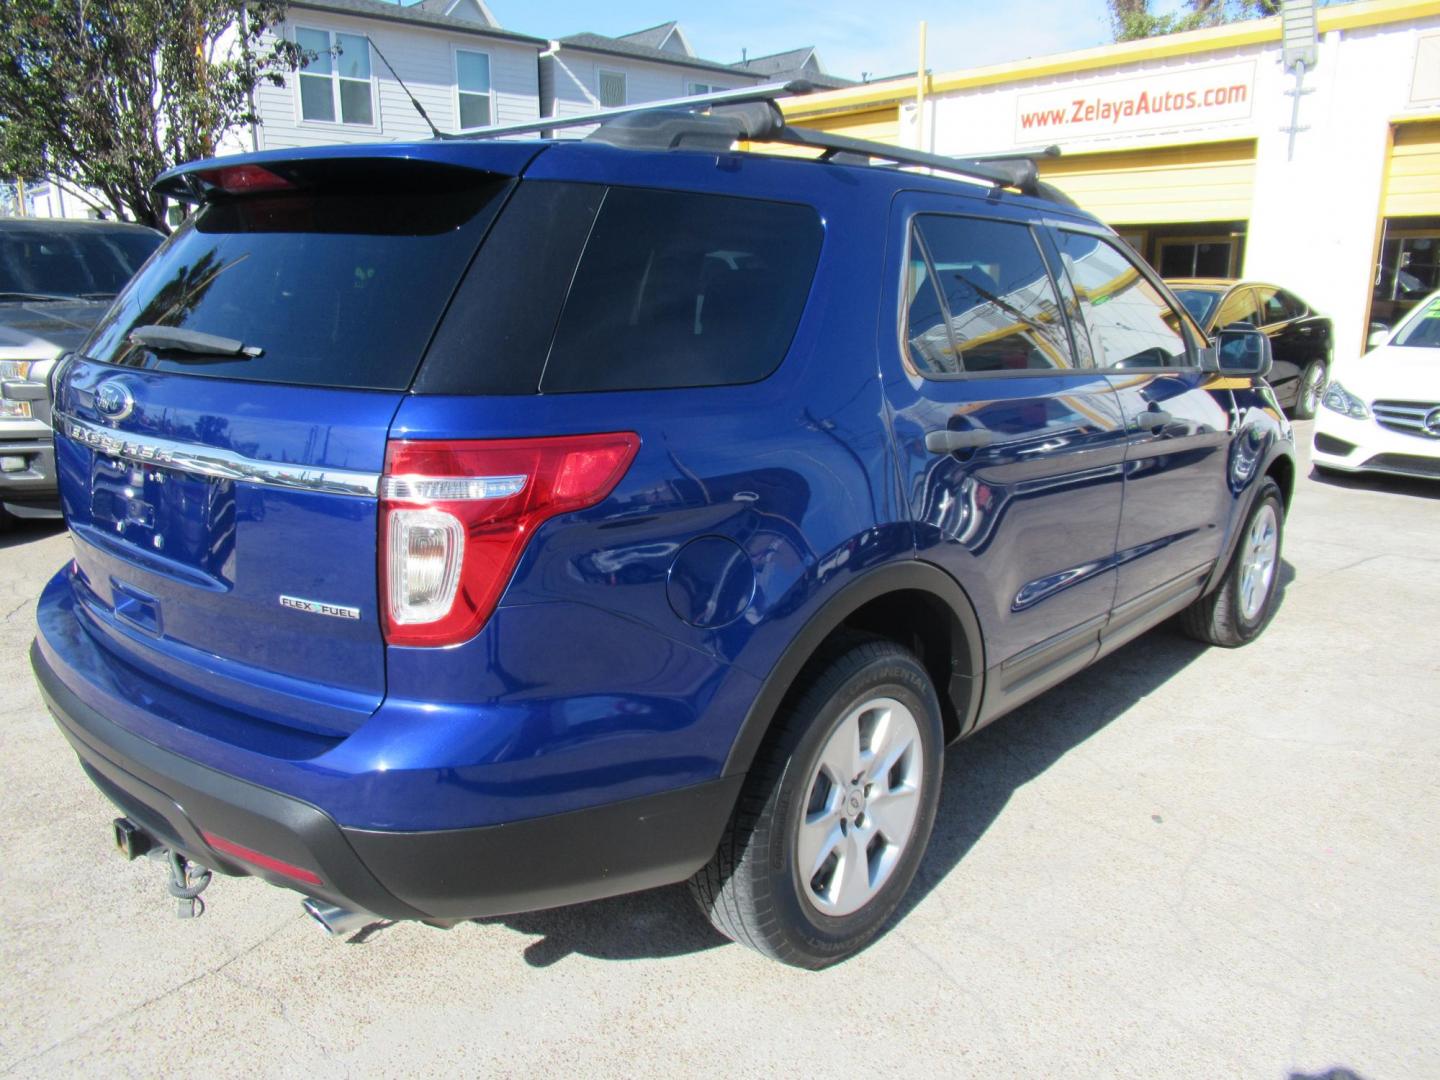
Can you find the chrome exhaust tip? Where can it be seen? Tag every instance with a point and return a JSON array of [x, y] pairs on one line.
[[337, 921]]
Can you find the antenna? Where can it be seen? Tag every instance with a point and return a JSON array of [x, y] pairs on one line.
[[413, 99]]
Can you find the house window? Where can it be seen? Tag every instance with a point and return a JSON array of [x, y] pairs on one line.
[[335, 85], [472, 79], [697, 88], [612, 89]]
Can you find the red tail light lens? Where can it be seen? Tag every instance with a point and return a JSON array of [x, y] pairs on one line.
[[455, 517], [244, 179]]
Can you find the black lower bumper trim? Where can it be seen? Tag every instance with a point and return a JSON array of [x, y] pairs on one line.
[[551, 861], [456, 873]]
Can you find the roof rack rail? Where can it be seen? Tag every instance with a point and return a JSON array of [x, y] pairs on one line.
[[751, 114], [766, 92], [1002, 171]]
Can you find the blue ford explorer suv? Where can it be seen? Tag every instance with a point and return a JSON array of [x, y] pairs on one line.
[[478, 526]]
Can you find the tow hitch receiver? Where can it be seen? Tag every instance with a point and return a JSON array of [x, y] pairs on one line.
[[187, 879], [129, 840]]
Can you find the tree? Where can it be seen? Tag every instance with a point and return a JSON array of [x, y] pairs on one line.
[[1133, 19], [100, 96]]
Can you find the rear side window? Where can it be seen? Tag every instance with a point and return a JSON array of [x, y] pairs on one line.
[[677, 289], [1278, 305], [340, 284], [981, 299], [1131, 324], [91, 262], [1239, 307]]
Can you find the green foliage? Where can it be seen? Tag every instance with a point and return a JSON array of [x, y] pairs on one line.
[[1133, 19], [104, 95]]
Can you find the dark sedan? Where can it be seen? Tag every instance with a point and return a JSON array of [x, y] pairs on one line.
[[1300, 339]]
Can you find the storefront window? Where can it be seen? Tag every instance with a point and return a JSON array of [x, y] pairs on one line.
[[1194, 258], [1409, 271]]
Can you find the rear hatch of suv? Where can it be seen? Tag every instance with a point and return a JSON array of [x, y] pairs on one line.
[[223, 431]]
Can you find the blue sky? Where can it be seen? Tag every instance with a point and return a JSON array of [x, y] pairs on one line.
[[853, 36]]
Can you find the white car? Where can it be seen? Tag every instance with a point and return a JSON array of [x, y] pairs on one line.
[[1381, 412]]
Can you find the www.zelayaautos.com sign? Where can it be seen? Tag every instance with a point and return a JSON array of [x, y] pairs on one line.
[[1173, 99]]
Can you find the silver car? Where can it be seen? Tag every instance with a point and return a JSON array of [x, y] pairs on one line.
[[56, 280]]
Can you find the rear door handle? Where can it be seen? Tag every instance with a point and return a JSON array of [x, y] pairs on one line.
[[1154, 419], [948, 442]]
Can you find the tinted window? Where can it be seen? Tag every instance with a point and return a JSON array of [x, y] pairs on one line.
[[1272, 308], [72, 261], [1239, 306], [980, 298], [1131, 324], [677, 289], [339, 286], [497, 333], [1199, 302], [1281, 306]]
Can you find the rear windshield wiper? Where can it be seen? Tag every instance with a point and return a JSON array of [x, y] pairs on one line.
[[178, 339]]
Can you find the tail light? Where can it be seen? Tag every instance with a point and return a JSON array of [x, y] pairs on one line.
[[243, 179], [455, 517]]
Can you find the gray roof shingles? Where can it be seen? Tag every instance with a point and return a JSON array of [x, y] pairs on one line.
[[621, 47], [415, 15]]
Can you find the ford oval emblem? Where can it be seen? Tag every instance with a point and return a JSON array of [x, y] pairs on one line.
[[113, 400]]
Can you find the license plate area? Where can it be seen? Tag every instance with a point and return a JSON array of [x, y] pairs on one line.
[[169, 513]]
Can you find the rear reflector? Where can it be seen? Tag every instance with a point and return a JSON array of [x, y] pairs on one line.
[[260, 859], [456, 516]]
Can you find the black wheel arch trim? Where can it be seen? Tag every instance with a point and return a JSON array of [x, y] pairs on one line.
[[968, 670], [1282, 449]]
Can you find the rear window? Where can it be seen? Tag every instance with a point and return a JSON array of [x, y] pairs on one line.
[[339, 286], [91, 262], [677, 289]]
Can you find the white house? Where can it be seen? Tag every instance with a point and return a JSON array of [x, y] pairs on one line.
[[464, 70]]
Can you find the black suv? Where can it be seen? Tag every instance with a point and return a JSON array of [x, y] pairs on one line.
[[476, 526]]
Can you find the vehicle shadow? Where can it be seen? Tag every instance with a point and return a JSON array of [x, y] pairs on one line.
[[984, 771], [1414, 486], [981, 774], [19, 531]]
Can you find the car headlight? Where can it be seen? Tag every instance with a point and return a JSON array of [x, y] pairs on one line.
[[1338, 399], [15, 369]]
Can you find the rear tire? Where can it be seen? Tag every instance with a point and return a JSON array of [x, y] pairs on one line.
[[6, 519], [1237, 611], [847, 783], [1312, 386]]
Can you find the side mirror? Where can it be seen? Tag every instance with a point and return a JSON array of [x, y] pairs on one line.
[[1379, 334], [1243, 350]]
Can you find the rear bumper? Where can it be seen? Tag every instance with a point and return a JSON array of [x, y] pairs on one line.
[[455, 873], [30, 490]]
